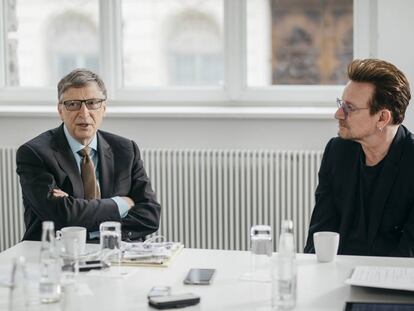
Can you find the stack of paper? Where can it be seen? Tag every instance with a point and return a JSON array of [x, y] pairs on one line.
[[150, 254], [401, 278]]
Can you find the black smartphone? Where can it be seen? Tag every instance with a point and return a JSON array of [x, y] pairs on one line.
[[199, 276], [173, 301], [378, 306], [91, 265]]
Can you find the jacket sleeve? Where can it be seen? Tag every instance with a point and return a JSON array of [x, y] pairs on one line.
[[324, 215], [143, 218], [405, 247], [38, 179]]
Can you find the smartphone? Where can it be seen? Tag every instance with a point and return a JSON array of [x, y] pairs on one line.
[[174, 301], [378, 306], [157, 291], [199, 276], [91, 265]]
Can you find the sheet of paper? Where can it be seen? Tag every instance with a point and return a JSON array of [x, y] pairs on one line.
[[113, 272], [401, 278]]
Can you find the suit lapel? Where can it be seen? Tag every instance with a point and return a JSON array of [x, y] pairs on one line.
[[67, 161], [106, 167], [386, 178]]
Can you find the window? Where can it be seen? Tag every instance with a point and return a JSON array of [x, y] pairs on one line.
[[172, 43], [47, 38], [185, 52], [73, 44], [195, 54], [303, 42]]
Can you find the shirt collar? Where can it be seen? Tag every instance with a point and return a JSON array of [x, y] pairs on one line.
[[75, 146]]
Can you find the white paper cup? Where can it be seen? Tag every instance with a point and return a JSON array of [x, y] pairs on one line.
[[326, 245], [73, 239]]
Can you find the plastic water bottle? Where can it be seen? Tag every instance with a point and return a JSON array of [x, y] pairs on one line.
[[18, 298], [49, 286], [284, 276]]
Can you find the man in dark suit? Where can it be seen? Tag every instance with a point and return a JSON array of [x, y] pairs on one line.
[[366, 179], [77, 175]]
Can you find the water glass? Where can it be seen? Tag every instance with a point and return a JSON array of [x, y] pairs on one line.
[[261, 254], [70, 267], [110, 240], [18, 296]]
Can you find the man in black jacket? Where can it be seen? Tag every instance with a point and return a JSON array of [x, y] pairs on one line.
[[77, 175], [366, 179]]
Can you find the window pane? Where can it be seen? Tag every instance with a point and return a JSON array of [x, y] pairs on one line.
[[298, 41], [170, 43], [48, 38]]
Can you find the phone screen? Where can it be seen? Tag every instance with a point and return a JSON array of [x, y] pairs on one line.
[[377, 306], [199, 276]]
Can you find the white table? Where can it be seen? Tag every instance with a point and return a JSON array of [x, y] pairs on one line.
[[320, 285]]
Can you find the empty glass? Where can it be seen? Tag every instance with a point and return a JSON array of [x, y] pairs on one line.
[[261, 254], [18, 297], [70, 267], [110, 237]]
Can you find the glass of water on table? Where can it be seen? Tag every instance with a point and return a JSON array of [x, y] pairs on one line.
[[110, 240]]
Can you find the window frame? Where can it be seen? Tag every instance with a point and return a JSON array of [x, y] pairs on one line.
[[235, 91]]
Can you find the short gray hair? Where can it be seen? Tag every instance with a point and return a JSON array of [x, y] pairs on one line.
[[78, 78]]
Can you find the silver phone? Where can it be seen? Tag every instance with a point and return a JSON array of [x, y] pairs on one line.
[[199, 276]]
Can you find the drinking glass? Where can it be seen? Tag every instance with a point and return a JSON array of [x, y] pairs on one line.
[[260, 254], [110, 240]]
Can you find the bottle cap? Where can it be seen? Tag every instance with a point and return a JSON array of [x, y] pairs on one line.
[[287, 226], [48, 225]]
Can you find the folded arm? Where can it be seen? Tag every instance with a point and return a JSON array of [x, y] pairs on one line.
[[47, 198], [143, 217]]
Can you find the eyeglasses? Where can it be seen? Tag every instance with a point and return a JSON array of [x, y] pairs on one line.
[[346, 107], [91, 104]]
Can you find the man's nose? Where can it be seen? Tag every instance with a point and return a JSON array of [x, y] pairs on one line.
[[84, 110], [340, 114]]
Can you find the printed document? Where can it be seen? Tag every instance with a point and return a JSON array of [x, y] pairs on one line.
[[401, 278]]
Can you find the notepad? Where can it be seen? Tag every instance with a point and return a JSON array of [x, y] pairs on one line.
[[401, 278]]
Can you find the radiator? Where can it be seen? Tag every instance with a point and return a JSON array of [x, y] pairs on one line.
[[11, 206], [209, 198]]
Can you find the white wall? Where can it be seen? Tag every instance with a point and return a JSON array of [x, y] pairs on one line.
[[185, 133], [395, 24], [395, 43]]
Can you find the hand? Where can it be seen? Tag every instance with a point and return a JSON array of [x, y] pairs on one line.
[[57, 193], [130, 202]]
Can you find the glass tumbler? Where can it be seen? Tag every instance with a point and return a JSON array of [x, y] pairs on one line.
[[110, 240], [261, 253]]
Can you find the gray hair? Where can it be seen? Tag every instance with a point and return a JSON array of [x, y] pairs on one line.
[[79, 78]]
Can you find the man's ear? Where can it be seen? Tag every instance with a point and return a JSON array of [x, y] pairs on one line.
[[104, 110], [59, 109], [385, 118]]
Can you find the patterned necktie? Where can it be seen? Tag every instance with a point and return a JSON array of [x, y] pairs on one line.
[[90, 185]]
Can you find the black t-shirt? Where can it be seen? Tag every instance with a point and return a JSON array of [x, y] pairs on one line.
[[357, 243], [369, 180]]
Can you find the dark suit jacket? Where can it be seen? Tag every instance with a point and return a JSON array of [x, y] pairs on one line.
[[47, 162], [391, 229]]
